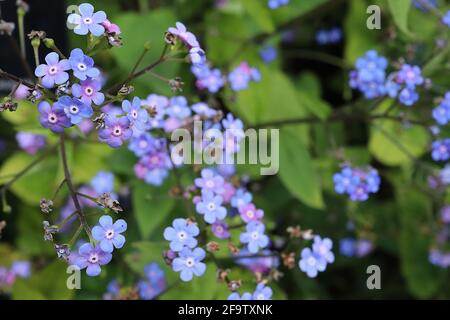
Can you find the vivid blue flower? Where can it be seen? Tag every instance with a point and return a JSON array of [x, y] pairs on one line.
[[74, 109], [92, 258], [87, 21], [357, 183], [254, 237], [103, 182], [262, 292], [54, 72], [446, 19], [236, 296], [441, 150], [211, 207], [241, 198], [275, 4], [323, 248], [21, 268], [82, 65], [116, 131], [268, 54], [88, 91], [441, 114], [197, 55], [345, 181], [138, 117], [408, 96], [53, 118], [109, 233], [210, 181], [178, 108], [142, 144], [311, 263], [347, 247], [411, 76], [189, 263], [181, 234]]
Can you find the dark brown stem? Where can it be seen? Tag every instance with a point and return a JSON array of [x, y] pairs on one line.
[[6, 75]]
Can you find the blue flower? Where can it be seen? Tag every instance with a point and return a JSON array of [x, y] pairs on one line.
[[21, 268], [138, 117], [74, 109], [210, 79], [275, 4], [262, 292], [347, 247], [109, 234], [236, 296], [411, 76], [187, 37], [103, 182], [54, 71], [408, 96], [157, 104], [418, 4], [53, 117], [440, 150], [181, 235], [197, 55], [189, 263], [345, 181], [268, 54], [178, 108], [446, 19], [311, 263], [202, 109], [142, 144], [116, 131], [82, 65], [87, 21], [441, 114], [323, 248], [155, 283], [210, 181], [92, 258], [240, 77], [89, 91], [211, 207], [241, 198], [254, 237]]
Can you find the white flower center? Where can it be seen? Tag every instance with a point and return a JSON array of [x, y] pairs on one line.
[[443, 149], [87, 20], [52, 118], [219, 229], [117, 131], [143, 144], [88, 91], [254, 235], [53, 70], [311, 261], [74, 109], [323, 250], [190, 262], [81, 66], [134, 114], [209, 184], [250, 214], [109, 234], [260, 297], [93, 258], [182, 235], [211, 206]]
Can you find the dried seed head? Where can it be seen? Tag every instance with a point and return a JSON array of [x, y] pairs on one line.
[[126, 90], [288, 260], [114, 40], [233, 249], [222, 275], [169, 256], [170, 38], [100, 121], [294, 232], [41, 35], [23, 5], [8, 105], [106, 201], [176, 84], [46, 205], [212, 246], [234, 285], [62, 251], [6, 28], [49, 230]]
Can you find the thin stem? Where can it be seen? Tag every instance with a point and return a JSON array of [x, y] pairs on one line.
[[87, 197], [66, 219], [36, 56], [159, 77], [23, 60], [75, 235], [6, 75], [319, 56], [139, 60], [20, 18], [58, 189], [73, 191]]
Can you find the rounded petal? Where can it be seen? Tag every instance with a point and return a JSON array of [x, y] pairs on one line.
[[93, 270], [85, 249], [253, 247], [98, 233], [105, 221], [120, 226], [106, 246], [41, 70], [61, 77], [96, 29], [52, 58], [99, 17], [81, 30], [169, 233], [199, 269], [98, 98], [86, 9], [48, 82], [118, 241], [176, 246], [178, 264], [105, 258], [186, 275]]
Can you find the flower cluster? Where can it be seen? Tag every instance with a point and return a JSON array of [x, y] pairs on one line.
[[329, 36], [241, 76], [356, 182], [18, 269], [268, 54], [262, 292], [370, 78], [315, 260], [31, 143], [441, 113], [350, 247]]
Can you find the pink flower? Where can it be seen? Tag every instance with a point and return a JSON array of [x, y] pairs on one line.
[[250, 213], [111, 27]]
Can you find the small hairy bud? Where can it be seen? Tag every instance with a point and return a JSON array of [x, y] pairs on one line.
[[100, 121], [114, 40], [126, 90], [63, 89], [41, 35], [222, 275], [106, 201], [294, 232], [170, 38], [288, 260], [169, 256], [34, 95], [233, 249], [234, 285], [62, 251], [8, 105], [23, 5], [46, 205], [49, 230], [176, 84], [6, 28], [276, 275], [212, 246]]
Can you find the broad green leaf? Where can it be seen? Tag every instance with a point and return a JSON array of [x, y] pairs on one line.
[[298, 172], [260, 13], [88, 159], [423, 279], [37, 183], [151, 206], [400, 11], [295, 9]]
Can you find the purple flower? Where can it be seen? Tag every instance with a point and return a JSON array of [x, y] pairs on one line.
[[265, 262], [89, 91], [142, 144], [220, 230], [268, 54], [204, 110], [262, 292], [311, 263], [197, 55], [157, 104], [31, 143], [155, 283], [240, 77], [109, 234], [87, 21], [363, 247], [178, 108], [82, 65], [210, 79], [54, 71], [241, 198], [21, 268], [210, 181], [236, 296], [53, 118], [103, 182], [250, 213], [117, 131], [323, 248], [74, 109], [189, 263], [92, 258], [411, 76], [187, 37], [446, 19], [441, 114], [441, 150], [138, 117], [345, 181], [211, 207], [181, 234], [254, 237]]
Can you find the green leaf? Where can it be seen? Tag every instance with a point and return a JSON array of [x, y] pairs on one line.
[[260, 13], [295, 9], [298, 172], [400, 11], [38, 182], [393, 144], [151, 206], [88, 159], [137, 29], [423, 279]]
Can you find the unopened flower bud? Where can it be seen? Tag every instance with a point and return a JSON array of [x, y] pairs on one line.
[[212, 246], [62, 251], [234, 285], [46, 205]]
